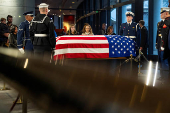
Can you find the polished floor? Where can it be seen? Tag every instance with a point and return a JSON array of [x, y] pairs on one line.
[[7, 97]]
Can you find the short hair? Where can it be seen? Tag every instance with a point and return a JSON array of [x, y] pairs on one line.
[[142, 22], [2, 19], [43, 9], [104, 24], [9, 16]]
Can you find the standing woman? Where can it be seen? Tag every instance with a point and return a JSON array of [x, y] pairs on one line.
[[87, 30], [72, 30], [110, 31]]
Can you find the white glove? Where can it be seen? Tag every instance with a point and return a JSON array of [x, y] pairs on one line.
[[162, 48], [21, 50]]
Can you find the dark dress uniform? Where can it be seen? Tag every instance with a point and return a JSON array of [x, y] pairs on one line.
[[130, 30], [159, 44], [42, 36], [166, 43], [23, 35]]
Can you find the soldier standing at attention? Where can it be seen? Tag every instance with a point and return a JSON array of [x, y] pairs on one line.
[[165, 43], [160, 43], [42, 34], [23, 36], [130, 29]]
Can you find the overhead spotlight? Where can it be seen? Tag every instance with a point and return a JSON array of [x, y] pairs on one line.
[[73, 2], [53, 14], [19, 16]]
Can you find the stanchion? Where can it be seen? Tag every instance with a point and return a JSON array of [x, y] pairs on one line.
[[4, 88], [20, 100], [139, 62]]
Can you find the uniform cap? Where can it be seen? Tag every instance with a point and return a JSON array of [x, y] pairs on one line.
[[42, 5], [164, 9], [130, 14], [28, 13]]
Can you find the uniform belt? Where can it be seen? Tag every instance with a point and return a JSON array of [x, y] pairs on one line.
[[41, 35], [130, 36]]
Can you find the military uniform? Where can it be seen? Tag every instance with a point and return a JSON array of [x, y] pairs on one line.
[[42, 36], [23, 36], [162, 44], [130, 30]]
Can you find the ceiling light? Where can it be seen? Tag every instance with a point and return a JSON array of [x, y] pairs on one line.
[[73, 2]]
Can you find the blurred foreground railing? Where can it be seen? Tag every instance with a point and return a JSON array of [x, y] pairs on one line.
[[75, 89]]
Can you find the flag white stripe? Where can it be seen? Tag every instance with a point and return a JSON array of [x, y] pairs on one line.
[[81, 50], [82, 41], [83, 36]]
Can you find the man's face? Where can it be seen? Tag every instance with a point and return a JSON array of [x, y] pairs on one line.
[[129, 18], [104, 26], [140, 24], [28, 18], [163, 15], [9, 20]]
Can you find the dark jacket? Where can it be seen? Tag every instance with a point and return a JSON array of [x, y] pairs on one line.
[[144, 37], [111, 34], [13, 40], [102, 32], [159, 43], [3, 29], [42, 31], [165, 35]]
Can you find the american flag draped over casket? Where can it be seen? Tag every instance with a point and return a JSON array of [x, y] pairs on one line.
[[96, 46]]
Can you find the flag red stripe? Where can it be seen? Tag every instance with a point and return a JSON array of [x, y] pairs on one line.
[[63, 46], [82, 38], [82, 55]]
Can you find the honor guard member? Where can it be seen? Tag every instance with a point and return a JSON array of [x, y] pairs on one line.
[[160, 44], [23, 35], [165, 43], [42, 34], [130, 29]]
